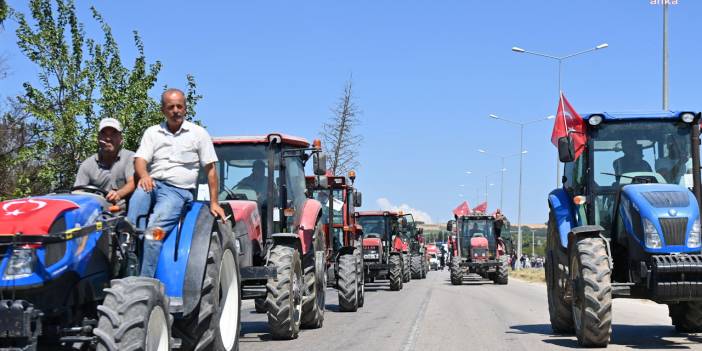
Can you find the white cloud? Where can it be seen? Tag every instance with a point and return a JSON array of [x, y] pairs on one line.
[[418, 215]]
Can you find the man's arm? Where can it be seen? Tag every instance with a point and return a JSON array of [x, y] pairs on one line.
[[213, 184], [115, 195], [82, 177]]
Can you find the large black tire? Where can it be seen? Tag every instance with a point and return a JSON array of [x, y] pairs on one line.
[[456, 271], [425, 268], [416, 267], [284, 299], [348, 283], [260, 305], [406, 263], [395, 272], [686, 316], [215, 322], [134, 316], [314, 270], [557, 280], [502, 272], [592, 293], [361, 278]]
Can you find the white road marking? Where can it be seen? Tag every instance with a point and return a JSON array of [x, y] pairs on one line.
[[412, 339]]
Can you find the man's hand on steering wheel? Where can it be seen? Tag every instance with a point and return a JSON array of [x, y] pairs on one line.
[[113, 197], [90, 189]]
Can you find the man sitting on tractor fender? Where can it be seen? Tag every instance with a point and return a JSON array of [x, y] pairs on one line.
[[112, 167], [174, 151]]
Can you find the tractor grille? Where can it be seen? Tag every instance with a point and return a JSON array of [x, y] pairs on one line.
[[667, 198], [674, 230]]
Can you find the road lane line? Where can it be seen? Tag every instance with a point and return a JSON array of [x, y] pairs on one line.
[[412, 339]]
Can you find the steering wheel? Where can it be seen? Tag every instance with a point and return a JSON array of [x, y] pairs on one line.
[[90, 189]]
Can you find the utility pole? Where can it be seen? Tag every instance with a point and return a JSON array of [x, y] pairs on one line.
[[665, 55]]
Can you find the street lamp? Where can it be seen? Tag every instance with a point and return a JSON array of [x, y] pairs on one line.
[[521, 163], [560, 60], [502, 169]]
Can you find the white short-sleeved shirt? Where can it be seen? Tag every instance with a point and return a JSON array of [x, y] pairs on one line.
[[176, 158]]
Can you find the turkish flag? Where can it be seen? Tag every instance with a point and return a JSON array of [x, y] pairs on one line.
[[462, 210], [482, 208], [569, 122]]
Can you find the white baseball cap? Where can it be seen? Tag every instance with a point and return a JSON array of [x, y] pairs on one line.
[[110, 122]]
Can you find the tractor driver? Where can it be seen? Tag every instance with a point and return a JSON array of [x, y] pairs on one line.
[[632, 161], [257, 180], [474, 230], [173, 151], [112, 167]]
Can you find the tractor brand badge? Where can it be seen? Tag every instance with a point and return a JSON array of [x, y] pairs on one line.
[[672, 212], [18, 207]]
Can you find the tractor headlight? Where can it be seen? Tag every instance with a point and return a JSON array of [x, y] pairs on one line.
[[687, 117], [594, 120], [693, 240], [20, 264], [653, 240]]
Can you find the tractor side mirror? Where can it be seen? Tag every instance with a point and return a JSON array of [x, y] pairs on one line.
[[566, 150], [449, 226], [357, 199], [420, 231], [320, 164]]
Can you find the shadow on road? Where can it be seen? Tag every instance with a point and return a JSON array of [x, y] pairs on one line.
[[259, 329], [633, 336]]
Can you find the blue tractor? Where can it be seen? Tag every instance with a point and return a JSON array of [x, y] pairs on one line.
[[626, 223], [68, 278]]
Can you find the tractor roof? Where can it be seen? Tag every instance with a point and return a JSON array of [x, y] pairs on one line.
[[261, 139], [617, 116], [377, 213]]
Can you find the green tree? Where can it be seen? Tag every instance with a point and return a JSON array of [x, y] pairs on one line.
[[4, 10], [80, 81]]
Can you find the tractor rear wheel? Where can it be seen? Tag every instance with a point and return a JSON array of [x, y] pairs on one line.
[[360, 278], [284, 300], [134, 315], [416, 267], [502, 272], [557, 280], [686, 316], [592, 292], [406, 268], [214, 323], [348, 285], [456, 271], [395, 272], [315, 276]]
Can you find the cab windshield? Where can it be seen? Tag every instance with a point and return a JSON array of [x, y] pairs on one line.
[[378, 225], [336, 206], [644, 151], [473, 228]]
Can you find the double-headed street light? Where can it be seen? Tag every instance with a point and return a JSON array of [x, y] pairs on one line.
[[521, 163], [560, 60], [502, 170]]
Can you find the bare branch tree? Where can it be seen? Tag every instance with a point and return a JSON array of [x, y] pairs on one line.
[[339, 134]]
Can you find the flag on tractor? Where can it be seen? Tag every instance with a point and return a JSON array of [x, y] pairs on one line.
[[482, 208], [462, 210], [568, 122]]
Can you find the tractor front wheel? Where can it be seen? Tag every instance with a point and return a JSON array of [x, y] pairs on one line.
[[557, 280], [592, 292], [686, 316], [315, 276], [284, 299], [348, 284], [395, 272], [456, 271], [416, 267], [501, 276], [406, 267]]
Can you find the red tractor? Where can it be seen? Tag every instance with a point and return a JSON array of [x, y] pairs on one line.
[[278, 229], [478, 248], [383, 247], [432, 254], [343, 236]]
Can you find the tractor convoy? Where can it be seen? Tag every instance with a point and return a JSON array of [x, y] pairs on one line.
[[625, 224]]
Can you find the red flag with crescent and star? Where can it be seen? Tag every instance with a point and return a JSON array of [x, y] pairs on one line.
[[569, 122], [482, 208], [462, 210], [31, 215]]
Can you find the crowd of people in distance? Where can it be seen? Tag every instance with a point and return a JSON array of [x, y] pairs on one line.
[[526, 261]]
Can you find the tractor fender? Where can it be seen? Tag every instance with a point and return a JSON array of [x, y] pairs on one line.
[[397, 244], [311, 212], [564, 213]]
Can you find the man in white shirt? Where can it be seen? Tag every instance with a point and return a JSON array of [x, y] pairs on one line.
[[167, 164]]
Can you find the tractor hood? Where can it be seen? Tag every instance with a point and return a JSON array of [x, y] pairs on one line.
[[368, 242], [36, 215], [479, 243], [671, 209]]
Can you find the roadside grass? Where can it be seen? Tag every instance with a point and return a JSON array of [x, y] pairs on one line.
[[535, 275]]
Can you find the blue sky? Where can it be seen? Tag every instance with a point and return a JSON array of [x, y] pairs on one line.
[[427, 74]]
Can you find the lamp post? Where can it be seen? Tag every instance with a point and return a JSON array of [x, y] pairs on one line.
[[560, 60], [521, 164], [502, 170]]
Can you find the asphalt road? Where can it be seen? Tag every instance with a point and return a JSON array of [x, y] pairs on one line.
[[431, 314]]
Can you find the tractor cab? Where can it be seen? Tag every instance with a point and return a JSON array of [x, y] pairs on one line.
[[381, 229], [476, 237]]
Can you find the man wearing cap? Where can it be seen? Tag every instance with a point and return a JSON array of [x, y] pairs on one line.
[[112, 167], [167, 164]]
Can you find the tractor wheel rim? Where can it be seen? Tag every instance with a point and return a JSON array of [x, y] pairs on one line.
[[229, 301], [157, 331]]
